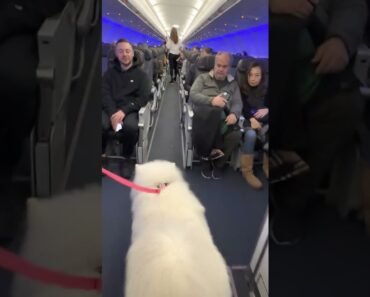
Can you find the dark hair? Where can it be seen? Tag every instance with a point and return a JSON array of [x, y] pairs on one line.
[[208, 50], [123, 40], [245, 88]]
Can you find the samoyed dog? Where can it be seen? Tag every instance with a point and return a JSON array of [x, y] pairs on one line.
[[172, 253], [62, 234]]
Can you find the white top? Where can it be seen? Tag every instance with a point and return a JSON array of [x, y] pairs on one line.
[[173, 48]]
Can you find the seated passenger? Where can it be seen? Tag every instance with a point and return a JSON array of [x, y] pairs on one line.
[[256, 115], [126, 88], [184, 65], [205, 51], [217, 107], [316, 109]]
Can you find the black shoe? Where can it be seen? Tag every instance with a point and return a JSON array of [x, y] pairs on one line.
[[125, 169], [206, 170], [217, 173]]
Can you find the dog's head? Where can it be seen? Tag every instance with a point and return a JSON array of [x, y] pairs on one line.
[[156, 173]]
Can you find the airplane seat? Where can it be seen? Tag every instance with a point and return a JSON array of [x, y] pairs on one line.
[[163, 66], [156, 66], [64, 47], [192, 58], [139, 58], [265, 68], [236, 59], [160, 56], [148, 63], [186, 54], [106, 47], [114, 145], [204, 65]]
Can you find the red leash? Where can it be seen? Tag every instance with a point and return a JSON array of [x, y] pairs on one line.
[[12, 262], [128, 183]]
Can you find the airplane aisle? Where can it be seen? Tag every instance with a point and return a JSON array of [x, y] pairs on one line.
[[166, 139]]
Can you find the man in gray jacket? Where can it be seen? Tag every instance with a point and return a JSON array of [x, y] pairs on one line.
[[217, 107], [312, 47]]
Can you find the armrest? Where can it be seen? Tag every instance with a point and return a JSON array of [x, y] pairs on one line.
[[144, 115], [190, 115], [362, 65], [241, 123]]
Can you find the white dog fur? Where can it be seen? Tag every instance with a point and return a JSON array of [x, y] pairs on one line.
[[63, 234], [172, 253]]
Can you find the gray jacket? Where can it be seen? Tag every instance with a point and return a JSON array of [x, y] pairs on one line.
[[205, 88], [347, 20]]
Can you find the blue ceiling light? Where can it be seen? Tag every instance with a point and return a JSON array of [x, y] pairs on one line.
[[253, 40], [112, 31]]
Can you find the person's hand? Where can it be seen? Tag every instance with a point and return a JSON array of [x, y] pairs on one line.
[[231, 119], [299, 8], [331, 56], [261, 113], [218, 101], [117, 118], [255, 124]]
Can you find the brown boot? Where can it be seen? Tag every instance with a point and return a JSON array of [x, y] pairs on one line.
[[265, 165], [246, 162]]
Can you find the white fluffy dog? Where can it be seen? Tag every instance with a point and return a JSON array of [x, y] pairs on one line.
[[172, 253], [63, 234]]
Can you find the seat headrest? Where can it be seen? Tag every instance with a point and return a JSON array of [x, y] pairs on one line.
[[154, 53], [193, 57], [147, 54], [139, 56], [236, 60], [205, 63], [244, 63], [160, 51]]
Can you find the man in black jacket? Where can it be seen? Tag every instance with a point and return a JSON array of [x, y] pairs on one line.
[[126, 88]]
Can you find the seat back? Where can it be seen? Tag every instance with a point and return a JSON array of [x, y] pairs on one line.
[[66, 64], [204, 65]]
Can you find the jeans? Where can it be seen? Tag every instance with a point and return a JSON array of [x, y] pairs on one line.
[[250, 138]]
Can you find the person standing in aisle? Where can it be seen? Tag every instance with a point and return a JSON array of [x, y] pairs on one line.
[[174, 47]]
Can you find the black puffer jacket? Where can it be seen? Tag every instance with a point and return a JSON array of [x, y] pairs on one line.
[[125, 90]]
